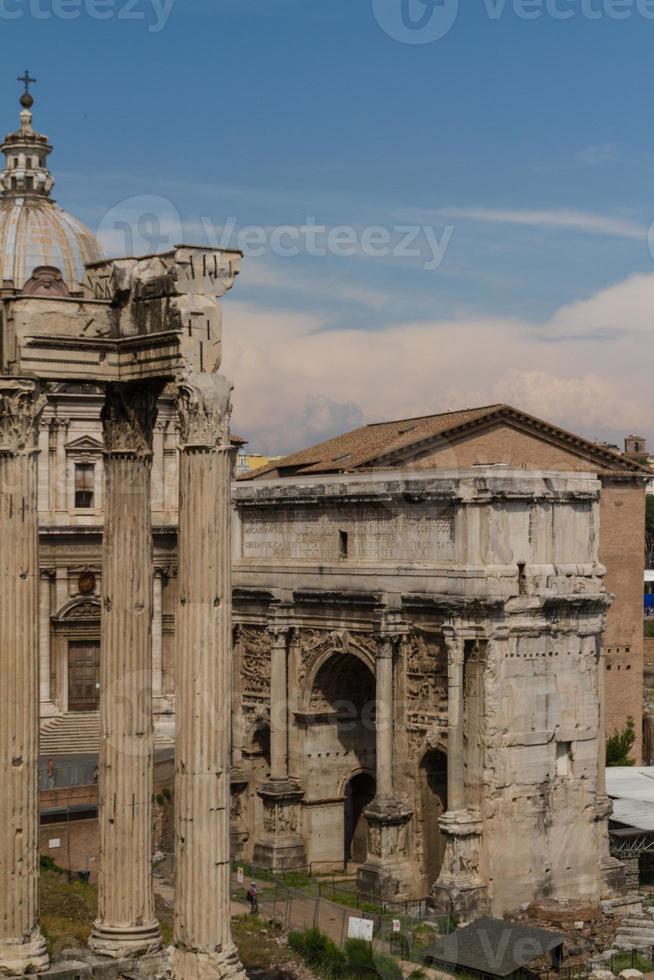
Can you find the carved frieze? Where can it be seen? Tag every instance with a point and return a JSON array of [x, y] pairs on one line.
[[21, 407], [253, 654], [426, 673], [315, 644]]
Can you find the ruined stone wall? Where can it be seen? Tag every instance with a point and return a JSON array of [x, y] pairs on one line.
[[621, 550], [542, 714]]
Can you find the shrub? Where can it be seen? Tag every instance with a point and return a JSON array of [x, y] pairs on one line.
[[319, 951], [620, 744], [387, 967]]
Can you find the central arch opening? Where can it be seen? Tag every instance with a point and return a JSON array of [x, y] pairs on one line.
[[341, 743]]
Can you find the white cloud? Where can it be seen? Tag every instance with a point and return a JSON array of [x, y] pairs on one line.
[[584, 221], [298, 383]]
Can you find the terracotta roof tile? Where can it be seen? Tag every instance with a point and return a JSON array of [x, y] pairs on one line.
[[376, 445]]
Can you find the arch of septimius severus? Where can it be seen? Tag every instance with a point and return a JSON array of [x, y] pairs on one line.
[[133, 327]]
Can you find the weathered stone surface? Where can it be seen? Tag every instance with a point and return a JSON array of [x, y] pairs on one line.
[[22, 949], [126, 923], [492, 701]]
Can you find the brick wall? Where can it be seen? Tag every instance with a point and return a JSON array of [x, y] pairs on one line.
[[73, 846]]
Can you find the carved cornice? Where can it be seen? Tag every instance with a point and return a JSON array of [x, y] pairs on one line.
[[21, 407], [204, 406], [128, 417]]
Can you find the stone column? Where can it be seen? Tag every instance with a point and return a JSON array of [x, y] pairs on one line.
[[61, 466], [126, 924], [157, 635], [456, 796], [45, 664], [281, 847], [203, 946], [22, 949], [387, 871], [459, 891]]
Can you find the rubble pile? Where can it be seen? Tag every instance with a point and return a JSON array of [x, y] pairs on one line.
[[587, 928]]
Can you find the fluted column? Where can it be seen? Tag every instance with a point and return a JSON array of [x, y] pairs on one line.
[[278, 700], [157, 635], [45, 611], [22, 949], [126, 923], [456, 797], [384, 716], [203, 946]]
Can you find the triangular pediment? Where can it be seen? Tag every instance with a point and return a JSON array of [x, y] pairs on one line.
[[505, 417], [84, 444]]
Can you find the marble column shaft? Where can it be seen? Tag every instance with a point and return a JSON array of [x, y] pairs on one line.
[[203, 944], [456, 800], [126, 923], [157, 636], [22, 949], [279, 705], [384, 718], [45, 611]]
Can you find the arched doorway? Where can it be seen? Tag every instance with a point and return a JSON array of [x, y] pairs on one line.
[[359, 793], [433, 804], [339, 747]]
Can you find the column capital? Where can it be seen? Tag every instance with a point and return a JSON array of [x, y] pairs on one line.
[[48, 574], [455, 645], [278, 632], [21, 406], [128, 417], [205, 407]]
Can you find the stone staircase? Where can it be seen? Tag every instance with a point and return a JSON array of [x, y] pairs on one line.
[[78, 733], [635, 932]]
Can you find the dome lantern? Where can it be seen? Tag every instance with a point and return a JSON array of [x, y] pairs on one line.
[[34, 231]]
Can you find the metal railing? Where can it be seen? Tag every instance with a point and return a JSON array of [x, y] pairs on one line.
[[68, 774]]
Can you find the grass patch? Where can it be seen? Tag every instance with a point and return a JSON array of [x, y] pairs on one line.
[[261, 945], [625, 961], [68, 911], [357, 961]]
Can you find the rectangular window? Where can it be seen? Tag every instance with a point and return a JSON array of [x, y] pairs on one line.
[[342, 544], [84, 485]]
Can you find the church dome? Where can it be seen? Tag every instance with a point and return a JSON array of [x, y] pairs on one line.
[[34, 231]]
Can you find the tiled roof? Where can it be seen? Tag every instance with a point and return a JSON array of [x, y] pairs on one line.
[[383, 444]]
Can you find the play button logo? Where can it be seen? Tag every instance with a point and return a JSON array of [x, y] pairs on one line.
[[416, 21]]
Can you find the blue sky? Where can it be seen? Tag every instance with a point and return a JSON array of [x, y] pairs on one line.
[[526, 146]]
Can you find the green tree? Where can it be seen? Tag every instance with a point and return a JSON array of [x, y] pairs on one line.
[[620, 744]]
